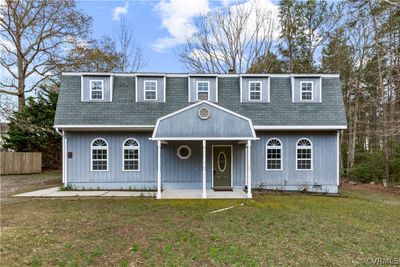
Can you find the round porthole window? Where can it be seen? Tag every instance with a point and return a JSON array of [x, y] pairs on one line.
[[184, 152], [204, 113]]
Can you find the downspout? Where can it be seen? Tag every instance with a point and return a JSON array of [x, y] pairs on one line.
[[64, 159]]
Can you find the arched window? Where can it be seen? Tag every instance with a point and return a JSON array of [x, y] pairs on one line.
[[99, 155], [274, 154], [304, 154], [130, 155]]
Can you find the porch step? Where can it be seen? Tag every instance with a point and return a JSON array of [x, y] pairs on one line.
[[222, 188]]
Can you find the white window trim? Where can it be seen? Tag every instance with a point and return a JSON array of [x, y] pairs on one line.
[[312, 154], [312, 91], [197, 90], [91, 154], [179, 149], [145, 90], [261, 90], [273, 147], [102, 90], [130, 147]]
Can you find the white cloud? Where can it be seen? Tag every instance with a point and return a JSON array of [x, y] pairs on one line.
[[6, 45], [262, 8], [120, 10], [176, 16]]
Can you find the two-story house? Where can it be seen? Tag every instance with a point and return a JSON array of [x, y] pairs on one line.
[[201, 132]]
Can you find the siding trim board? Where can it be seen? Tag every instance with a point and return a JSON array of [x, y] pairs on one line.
[[256, 127], [338, 157], [180, 75]]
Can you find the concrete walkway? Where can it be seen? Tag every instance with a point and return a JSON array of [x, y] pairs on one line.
[[166, 194], [195, 194], [55, 192]]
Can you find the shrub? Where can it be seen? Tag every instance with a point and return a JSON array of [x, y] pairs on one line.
[[368, 167]]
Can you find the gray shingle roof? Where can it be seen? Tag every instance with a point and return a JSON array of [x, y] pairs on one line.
[[123, 110]]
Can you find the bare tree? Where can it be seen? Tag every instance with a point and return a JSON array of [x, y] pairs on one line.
[[7, 107], [231, 37], [97, 55], [34, 39], [360, 43], [131, 53]]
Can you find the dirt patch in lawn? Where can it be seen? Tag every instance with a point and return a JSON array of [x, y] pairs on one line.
[[372, 188], [15, 184]]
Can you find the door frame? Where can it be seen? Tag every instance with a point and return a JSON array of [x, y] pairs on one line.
[[212, 163]]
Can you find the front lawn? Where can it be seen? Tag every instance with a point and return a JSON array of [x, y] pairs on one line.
[[272, 229]]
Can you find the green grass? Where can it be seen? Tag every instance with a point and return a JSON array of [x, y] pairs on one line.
[[274, 229]]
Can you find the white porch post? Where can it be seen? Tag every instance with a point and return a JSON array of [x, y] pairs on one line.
[[204, 194], [245, 165], [249, 195], [159, 170]]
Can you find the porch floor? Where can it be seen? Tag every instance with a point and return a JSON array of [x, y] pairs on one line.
[[193, 194]]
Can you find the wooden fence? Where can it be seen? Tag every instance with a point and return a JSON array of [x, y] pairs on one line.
[[20, 162]]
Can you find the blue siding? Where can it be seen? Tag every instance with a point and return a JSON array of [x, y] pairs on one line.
[[79, 166], [324, 161], [212, 97], [178, 173], [245, 88], [160, 88], [316, 90], [219, 124], [106, 89]]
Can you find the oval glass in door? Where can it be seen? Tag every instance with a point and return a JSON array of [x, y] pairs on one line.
[[221, 161]]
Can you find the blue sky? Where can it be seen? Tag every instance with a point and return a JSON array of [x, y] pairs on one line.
[[160, 26]]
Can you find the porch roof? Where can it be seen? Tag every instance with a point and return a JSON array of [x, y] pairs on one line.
[[188, 124]]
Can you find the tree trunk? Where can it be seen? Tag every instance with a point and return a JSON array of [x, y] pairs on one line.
[[382, 92], [21, 88], [352, 138]]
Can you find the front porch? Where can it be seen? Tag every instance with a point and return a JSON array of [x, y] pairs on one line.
[[209, 135], [196, 194]]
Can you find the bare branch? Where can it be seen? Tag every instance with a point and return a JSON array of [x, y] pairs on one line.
[[231, 37]]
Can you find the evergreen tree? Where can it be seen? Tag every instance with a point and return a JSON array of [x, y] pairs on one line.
[[31, 130]]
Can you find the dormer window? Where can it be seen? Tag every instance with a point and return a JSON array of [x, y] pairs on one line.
[[203, 90], [96, 90], [307, 90], [150, 90], [255, 89]]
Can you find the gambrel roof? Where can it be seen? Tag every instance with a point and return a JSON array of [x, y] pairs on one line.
[[215, 124], [280, 112]]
